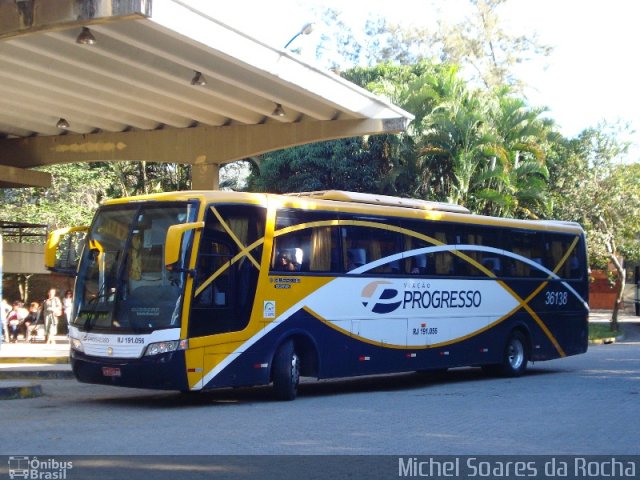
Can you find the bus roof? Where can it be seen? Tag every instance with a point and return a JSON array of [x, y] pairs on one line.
[[386, 200], [359, 203]]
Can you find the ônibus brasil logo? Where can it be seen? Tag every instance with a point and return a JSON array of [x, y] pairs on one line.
[[381, 297]]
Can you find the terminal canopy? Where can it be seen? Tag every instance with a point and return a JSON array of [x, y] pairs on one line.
[[156, 80]]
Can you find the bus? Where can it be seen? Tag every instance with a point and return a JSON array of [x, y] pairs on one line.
[[199, 290]]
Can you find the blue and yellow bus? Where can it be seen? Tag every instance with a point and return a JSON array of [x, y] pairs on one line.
[[200, 290]]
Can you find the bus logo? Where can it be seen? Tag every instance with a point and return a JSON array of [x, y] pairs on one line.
[[379, 297], [26, 467], [19, 467]]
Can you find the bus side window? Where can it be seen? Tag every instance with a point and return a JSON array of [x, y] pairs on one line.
[[370, 245], [311, 249]]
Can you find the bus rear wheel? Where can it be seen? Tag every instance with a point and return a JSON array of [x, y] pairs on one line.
[[516, 355], [286, 372], [514, 358]]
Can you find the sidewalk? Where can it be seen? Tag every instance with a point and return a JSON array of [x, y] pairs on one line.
[[629, 324], [22, 364], [605, 316], [23, 352], [23, 361]]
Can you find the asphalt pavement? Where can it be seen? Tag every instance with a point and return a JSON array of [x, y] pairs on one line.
[[23, 364]]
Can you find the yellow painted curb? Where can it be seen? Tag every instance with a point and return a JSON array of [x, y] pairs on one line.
[[603, 341], [16, 390]]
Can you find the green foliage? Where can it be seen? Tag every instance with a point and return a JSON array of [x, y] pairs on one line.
[[349, 164], [592, 187], [138, 178], [600, 331], [76, 191], [486, 150]]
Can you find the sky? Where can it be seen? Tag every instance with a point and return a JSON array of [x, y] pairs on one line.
[[591, 76]]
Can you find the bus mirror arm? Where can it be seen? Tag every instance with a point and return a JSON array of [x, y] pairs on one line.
[[175, 269]]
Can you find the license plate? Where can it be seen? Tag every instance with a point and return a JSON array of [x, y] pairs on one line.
[[111, 372]]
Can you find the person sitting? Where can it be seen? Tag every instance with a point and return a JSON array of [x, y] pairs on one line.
[[31, 319], [284, 263], [14, 320]]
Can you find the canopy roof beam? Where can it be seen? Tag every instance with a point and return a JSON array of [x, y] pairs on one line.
[[13, 177], [198, 145], [160, 81]]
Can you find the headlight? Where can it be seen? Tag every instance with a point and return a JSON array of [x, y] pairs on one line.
[[77, 345], [165, 347]]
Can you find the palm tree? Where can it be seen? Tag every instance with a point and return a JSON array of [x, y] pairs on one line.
[[522, 136], [457, 144]]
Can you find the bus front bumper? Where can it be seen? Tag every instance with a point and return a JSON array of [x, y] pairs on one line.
[[159, 372]]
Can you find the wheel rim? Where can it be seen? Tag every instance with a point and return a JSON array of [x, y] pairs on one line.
[[295, 369], [515, 354]]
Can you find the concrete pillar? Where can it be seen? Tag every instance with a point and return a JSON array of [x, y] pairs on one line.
[[205, 177]]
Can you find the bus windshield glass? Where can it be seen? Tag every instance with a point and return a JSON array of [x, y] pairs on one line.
[[122, 284]]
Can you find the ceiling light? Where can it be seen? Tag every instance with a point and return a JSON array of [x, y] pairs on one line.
[[62, 124], [86, 37], [278, 111], [198, 79]]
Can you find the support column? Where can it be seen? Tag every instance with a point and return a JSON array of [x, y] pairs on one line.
[[205, 177]]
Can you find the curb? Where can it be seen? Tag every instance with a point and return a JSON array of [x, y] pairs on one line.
[[16, 390], [607, 340], [36, 374]]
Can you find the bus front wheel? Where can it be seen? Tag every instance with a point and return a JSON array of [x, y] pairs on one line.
[[286, 372]]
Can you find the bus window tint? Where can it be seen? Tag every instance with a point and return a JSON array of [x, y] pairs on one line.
[[475, 260], [224, 288], [559, 259], [415, 262], [527, 245], [365, 245], [438, 262], [309, 244]]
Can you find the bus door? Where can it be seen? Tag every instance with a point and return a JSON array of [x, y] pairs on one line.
[[225, 280]]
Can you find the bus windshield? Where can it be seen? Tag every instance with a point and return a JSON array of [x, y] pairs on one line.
[[122, 284]]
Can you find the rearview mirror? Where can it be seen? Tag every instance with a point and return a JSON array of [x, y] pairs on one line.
[[173, 243], [63, 249]]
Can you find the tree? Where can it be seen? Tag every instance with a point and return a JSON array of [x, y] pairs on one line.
[[348, 164], [480, 43], [483, 149], [140, 178], [519, 173], [75, 193], [386, 164], [603, 195], [234, 176], [455, 142]]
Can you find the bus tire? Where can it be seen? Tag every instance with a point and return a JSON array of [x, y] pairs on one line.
[[516, 355], [286, 372], [514, 358]]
